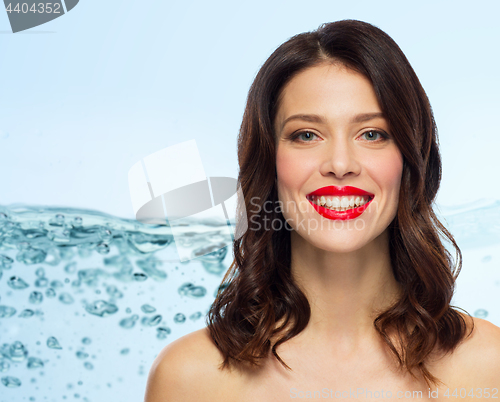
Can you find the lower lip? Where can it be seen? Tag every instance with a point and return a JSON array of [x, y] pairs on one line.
[[341, 215]]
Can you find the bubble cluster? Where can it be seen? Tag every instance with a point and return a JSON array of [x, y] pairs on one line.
[[84, 265]]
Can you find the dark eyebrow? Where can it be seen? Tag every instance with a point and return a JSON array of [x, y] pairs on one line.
[[314, 118]]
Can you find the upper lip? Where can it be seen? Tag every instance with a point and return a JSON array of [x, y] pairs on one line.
[[339, 191]]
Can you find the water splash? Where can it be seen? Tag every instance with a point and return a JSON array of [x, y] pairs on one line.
[[81, 266], [475, 224]]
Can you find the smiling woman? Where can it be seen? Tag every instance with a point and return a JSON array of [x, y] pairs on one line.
[[349, 287]]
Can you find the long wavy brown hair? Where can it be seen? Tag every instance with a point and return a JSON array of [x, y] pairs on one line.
[[258, 291]]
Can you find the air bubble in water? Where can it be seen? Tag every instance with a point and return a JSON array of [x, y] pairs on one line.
[[88, 365], [36, 297], [86, 341], [195, 316], [27, 313], [66, 298], [151, 321], [162, 332], [481, 313], [34, 363], [140, 277], [41, 282], [53, 343], [4, 365], [179, 318], [188, 289], [56, 284], [82, 355], [70, 268], [31, 256], [129, 322], [486, 258], [17, 283], [40, 272], [114, 292], [58, 220], [5, 262], [101, 308], [50, 292], [103, 248], [7, 311], [146, 308], [125, 351], [105, 234], [17, 352], [11, 382], [91, 276]]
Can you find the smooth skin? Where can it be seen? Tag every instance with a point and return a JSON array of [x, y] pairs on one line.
[[344, 270]]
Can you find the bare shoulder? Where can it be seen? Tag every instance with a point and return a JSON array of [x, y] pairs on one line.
[[475, 362], [188, 369]]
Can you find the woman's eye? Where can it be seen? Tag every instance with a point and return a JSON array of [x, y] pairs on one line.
[[371, 136], [305, 136]]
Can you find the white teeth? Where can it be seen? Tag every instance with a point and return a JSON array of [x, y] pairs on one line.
[[340, 203]]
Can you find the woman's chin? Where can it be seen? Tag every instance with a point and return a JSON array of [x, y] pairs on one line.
[[342, 241]]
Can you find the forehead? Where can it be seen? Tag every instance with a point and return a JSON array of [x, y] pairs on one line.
[[331, 90]]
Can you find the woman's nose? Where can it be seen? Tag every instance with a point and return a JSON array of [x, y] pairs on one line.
[[340, 159]]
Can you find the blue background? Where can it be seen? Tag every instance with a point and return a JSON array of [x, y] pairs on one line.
[[84, 97]]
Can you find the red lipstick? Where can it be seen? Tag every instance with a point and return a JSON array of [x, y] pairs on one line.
[[340, 191]]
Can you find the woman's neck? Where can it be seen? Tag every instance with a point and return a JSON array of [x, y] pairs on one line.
[[345, 291]]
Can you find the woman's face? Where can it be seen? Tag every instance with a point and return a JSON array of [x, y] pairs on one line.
[[330, 131]]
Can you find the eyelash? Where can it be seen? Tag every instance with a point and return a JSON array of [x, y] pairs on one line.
[[295, 136]]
